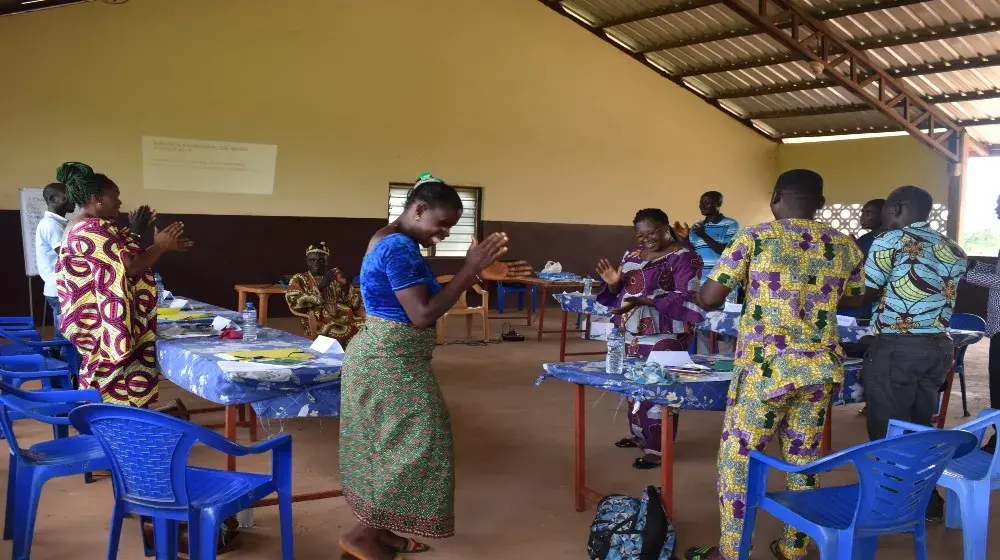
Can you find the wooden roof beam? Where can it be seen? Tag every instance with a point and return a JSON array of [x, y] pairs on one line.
[[901, 72], [557, 8], [815, 44], [674, 8], [882, 128], [939, 99], [937, 33], [810, 111], [853, 10]]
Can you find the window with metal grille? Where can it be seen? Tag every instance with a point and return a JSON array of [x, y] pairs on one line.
[[462, 234], [847, 218]]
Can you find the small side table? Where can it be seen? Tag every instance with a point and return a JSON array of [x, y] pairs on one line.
[[263, 293]]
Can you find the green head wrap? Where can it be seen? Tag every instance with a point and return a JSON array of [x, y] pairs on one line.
[[80, 180], [426, 178]]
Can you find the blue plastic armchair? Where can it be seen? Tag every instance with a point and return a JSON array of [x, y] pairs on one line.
[[26, 322], [149, 454], [967, 322], [15, 370], [31, 468], [895, 479], [520, 289], [19, 344], [970, 480]]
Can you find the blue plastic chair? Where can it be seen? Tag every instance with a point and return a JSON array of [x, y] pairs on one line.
[[17, 369], [966, 322], [31, 468], [895, 479], [20, 344], [25, 323], [503, 290], [970, 480], [149, 454]]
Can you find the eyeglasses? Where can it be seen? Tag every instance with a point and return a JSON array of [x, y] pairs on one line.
[[648, 235]]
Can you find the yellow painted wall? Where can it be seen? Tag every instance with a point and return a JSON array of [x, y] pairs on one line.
[[855, 171], [555, 124]]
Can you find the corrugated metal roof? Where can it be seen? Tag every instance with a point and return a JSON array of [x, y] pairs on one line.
[[937, 48]]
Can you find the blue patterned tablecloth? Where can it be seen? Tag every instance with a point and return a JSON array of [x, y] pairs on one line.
[[702, 392], [568, 277], [726, 323], [310, 389], [576, 302]]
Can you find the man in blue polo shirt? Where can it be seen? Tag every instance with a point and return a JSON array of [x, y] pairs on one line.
[[709, 238]]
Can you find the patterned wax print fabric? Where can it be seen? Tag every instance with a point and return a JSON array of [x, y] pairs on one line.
[[338, 309], [918, 271], [397, 462], [108, 316], [753, 418], [722, 231], [795, 272], [671, 281], [393, 264]]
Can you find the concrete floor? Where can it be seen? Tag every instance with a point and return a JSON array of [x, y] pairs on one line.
[[515, 459]]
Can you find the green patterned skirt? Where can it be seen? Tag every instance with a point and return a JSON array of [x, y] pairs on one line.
[[397, 461]]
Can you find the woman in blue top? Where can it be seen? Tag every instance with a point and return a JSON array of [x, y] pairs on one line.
[[396, 455]]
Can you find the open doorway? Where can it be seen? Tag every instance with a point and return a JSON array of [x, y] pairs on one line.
[[980, 235]]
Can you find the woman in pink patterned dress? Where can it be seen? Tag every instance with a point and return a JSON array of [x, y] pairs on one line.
[[106, 289], [652, 293]]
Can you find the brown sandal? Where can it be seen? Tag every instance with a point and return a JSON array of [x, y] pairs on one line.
[[226, 543], [412, 546], [174, 408], [351, 554]]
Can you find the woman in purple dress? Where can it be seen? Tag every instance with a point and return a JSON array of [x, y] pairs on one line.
[[652, 293]]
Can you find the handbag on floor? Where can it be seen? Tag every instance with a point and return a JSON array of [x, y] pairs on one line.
[[628, 528]]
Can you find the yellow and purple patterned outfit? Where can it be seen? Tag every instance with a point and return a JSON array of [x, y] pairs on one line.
[[788, 355], [109, 316]]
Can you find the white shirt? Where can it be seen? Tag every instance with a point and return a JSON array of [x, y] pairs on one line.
[[48, 239]]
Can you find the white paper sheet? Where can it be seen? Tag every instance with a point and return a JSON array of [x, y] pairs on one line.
[[220, 323], [327, 345], [733, 307], [669, 358], [845, 321]]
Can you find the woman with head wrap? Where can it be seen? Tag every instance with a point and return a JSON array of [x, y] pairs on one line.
[[323, 295], [651, 293], [396, 456], [106, 289]]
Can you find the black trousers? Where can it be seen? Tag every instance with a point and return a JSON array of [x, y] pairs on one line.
[[902, 376], [995, 371]]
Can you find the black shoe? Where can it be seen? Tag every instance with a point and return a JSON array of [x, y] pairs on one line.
[[935, 509], [991, 445]]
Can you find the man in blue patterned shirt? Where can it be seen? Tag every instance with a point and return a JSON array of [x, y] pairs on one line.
[[917, 271]]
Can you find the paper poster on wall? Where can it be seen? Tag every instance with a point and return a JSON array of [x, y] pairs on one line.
[[178, 164], [33, 207]]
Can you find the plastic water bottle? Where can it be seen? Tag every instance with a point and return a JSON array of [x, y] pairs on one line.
[[249, 323], [159, 289], [588, 286], [615, 360], [245, 518]]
